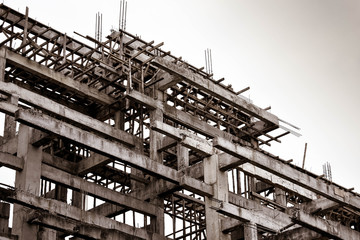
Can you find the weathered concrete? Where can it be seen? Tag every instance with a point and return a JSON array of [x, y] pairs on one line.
[[250, 231], [218, 179], [27, 180], [289, 173], [4, 217]]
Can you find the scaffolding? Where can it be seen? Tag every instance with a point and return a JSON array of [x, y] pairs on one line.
[[126, 141]]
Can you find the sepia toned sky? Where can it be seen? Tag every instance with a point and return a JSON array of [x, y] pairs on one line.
[[301, 57]]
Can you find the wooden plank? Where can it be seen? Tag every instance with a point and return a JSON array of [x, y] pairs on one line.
[[215, 90]]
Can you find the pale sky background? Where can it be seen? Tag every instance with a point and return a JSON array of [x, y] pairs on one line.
[[301, 57]]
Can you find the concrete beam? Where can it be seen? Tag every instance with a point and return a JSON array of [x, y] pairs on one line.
[[318, 205], [324, 226], [59, 163], [65, 113], [282, 219], [87, 164], [71, 227], [96, 143], [245, 215], [167, 81], [299, 233], [215, 90], [178, 116], [57, 78], [289, 173], [100, 145], [95, 190], [10, 146], [74, 213], [185, 138], [275, 180], [11, 161]]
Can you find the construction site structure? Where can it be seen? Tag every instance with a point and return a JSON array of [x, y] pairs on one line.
[[126, 141]]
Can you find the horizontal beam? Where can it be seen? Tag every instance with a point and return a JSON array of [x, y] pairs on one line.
[[65, 113], [71, 227], [242, 214], [324, 226], [87, 164], [178, 116], [98, 191], [196, 186], [98, 144], [74, 213], [319, 205], [215, 90], [11, 161], [275, 180], [185, 138], [167, 81], [289, 173], [57, 78], [296, 233], [281, 218]]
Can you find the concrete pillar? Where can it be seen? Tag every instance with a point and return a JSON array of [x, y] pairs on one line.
[[219, 181], [4, 217], [237, 234], [27, 180], [10, 124], [157, 224], [182, 156], [47, 234], [250, 231], [280, 196]]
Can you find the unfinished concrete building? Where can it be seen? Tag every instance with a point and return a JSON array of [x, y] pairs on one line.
[[126, 141]]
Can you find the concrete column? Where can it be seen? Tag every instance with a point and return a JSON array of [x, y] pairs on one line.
[[219, 181], [157, 224], [47, 234], [27, 180], [182, 156], [4, 217], [280, 196], [10, 124], [250, 231]]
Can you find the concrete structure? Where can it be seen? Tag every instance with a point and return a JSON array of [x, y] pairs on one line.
[[126, 141]]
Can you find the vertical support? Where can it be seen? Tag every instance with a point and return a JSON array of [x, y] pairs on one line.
[[219, 181], [155, 137], [10, 124], [250, 231], [23, 43], [119, 119], [4, 217], [280, 196], [27, 180], [182, 156], [157, 224]]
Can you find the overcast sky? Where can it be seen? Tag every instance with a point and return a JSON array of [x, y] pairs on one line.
[[299, 57]]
